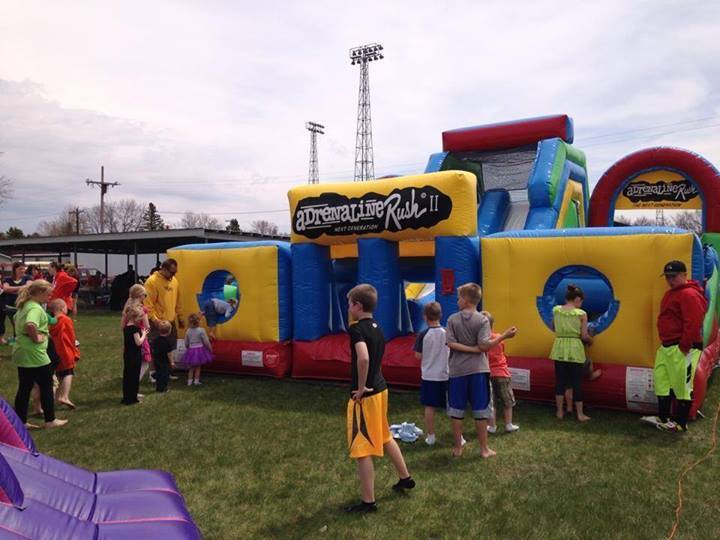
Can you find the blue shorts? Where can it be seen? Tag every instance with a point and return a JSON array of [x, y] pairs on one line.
[[433, 394], [474, 388], [210, 314]]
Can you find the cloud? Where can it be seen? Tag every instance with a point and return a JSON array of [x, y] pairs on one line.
[[201, 105]]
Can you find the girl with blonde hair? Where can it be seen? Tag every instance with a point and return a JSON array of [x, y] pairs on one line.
[[136, 297], [30, 352]]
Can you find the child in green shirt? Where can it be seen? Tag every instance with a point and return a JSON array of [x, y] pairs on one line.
[[571, 335], [30, 352]]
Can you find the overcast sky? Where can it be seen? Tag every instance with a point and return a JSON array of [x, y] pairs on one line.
[[201, 105]]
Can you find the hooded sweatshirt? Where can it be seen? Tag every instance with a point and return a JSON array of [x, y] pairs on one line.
[[682, 311]]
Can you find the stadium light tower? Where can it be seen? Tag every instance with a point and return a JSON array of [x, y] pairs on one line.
[[364, 163], [314, 129]]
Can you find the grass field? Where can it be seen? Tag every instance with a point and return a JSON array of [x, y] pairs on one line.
[[261, 458]]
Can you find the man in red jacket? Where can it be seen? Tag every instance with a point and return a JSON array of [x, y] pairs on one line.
[[679, 325]]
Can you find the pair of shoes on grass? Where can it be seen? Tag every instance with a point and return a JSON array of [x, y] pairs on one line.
[[430, 440], [367, 507], [509, 428], [669, 426]]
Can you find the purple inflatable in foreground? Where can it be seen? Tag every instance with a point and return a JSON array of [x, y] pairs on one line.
[[44, 498]]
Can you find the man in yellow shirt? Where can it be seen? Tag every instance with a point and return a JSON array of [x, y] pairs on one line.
[[163, 300]]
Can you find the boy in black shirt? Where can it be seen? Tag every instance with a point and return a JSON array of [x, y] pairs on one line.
[[368, 431], [162, 346]]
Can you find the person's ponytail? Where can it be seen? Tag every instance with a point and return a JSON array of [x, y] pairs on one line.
[[573, 292], [29, 292]]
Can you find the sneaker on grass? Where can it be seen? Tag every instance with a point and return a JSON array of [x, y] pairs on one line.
[[509, 428], [672, 427], [430, 439]]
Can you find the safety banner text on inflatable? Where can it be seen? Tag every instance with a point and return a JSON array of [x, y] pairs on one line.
[[412, 207]]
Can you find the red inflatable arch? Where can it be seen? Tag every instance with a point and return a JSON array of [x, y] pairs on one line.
[[700, 171]]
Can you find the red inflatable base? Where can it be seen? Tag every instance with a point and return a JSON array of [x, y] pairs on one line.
[[620, 387], [328, 358], [246, 357]]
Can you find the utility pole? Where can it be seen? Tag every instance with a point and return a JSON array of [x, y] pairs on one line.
[[103, 190], [364, 161], [314, 129], [76, 213]]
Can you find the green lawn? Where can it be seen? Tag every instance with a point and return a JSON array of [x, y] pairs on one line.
[[266, 458]]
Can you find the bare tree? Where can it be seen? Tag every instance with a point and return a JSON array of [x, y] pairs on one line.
[[6, 189], [124, 215], [191, 220], [643, 221], [128, 215], [690, 220], [262, 226], [63, 225]]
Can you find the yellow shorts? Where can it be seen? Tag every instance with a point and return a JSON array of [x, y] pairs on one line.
[[367, 425]]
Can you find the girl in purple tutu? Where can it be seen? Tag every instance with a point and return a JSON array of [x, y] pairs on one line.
[[198, 350]]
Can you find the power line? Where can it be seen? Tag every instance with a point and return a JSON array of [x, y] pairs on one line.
[[649, 128], [284, 210], [649, 136]]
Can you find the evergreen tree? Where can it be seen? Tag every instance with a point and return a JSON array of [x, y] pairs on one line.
[[13, 233], [152, 220], [233, 226]]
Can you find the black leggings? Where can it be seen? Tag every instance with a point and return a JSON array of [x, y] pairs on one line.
[[569, 375], [27, 378], [131, 376]]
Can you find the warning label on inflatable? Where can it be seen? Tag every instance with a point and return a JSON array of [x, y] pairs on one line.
[[252, 358], [520, 379], [639, 389]]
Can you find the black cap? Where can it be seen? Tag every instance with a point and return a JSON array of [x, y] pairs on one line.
[[673, 268]]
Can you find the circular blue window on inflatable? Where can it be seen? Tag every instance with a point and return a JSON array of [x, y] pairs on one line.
[[220, 296], [600, 303]]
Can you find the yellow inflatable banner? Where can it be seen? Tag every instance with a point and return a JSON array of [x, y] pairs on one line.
[[407, 208], [659, 189]]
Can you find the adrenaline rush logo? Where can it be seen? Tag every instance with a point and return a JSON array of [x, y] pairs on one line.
[[337, 215], [679, 191]]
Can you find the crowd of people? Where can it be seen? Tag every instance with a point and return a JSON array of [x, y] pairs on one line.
[[41, 310], [465, 363]]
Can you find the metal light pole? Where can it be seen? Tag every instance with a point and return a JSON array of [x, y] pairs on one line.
[[364, 162], [314, 129]]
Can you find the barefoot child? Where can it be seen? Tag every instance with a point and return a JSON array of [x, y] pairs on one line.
[[431, 348], [198, 350], [571, 333], [500, 381], [161, 348], [468, 336], [30, 352], [133, 337], [63, 337], [368, 432], [136, 297]]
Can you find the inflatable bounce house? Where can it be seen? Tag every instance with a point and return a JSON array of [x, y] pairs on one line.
[[41, 497], [506, 205]]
